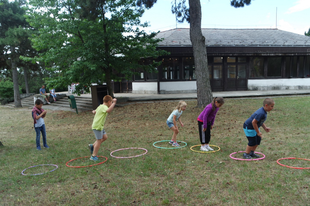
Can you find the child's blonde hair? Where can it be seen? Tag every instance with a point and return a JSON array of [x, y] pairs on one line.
[[180, 105]]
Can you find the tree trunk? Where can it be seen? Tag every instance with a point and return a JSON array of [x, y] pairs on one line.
[[17, 101], [204, 92], [26, 80], [108, 81]]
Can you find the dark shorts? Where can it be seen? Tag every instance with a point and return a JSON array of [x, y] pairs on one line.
[[254, 140]]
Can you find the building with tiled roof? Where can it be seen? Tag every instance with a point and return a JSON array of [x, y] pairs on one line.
[[238, 59]]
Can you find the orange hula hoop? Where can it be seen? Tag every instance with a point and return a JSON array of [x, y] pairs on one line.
[[293, 158]]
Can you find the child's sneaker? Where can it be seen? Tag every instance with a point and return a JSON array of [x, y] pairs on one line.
[[170, 142], [94, 158], [91, 148], [209, 148], [252, 154], [46, 146], [202, 148], [38, 148], [175, 144], [246, 156]]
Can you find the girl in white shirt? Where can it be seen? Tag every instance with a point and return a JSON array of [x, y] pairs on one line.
[[172, 121]]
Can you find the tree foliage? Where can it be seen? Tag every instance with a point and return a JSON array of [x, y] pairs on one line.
[[239, 3], [14, 42], [91, 41], [6, 89], [307, 33]]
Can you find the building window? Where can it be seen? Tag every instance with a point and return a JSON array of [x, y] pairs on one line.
[[231, 71], [294, 67], [152, 75], [307, 67], [287, 67], [241, 71], [217, 59], [301, 67], [242, 59], [171, 69], [256, 69], [231, 59], [139, 76], [189, 68], [217, 71], [274, 66]]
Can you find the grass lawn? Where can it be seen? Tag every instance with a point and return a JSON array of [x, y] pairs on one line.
[[162, 176]]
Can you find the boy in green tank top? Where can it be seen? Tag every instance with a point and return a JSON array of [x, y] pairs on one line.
[[101, 114]]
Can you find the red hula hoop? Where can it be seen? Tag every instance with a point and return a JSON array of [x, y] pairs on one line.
[[234, 158], [129, 156], [293, 158], [67, 164]]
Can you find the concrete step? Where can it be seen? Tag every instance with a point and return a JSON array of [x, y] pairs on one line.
[[83, 103]]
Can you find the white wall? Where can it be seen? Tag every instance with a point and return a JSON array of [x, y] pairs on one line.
[[278, 84], [144, 87], [190, 86], [178, 87]]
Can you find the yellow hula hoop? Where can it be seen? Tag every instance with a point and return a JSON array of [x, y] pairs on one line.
[[205, 152]]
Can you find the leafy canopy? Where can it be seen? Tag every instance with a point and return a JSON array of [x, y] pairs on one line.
[[91, 41]]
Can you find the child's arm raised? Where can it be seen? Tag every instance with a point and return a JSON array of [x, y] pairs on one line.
[[112, 105], [254, 123]]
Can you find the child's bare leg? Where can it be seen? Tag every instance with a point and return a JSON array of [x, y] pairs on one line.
[[250, 148], [98, 143], [175, 133]]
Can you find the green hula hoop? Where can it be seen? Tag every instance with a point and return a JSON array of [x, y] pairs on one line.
[[206, 152], [154, 144]]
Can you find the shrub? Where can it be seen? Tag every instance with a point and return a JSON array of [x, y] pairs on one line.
[[6, 89]]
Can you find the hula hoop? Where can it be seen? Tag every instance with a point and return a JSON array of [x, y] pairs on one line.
[[154, 144], [199, 151], [39, 166], [67, 164], [127, 149], [293, 158], [234, 158]]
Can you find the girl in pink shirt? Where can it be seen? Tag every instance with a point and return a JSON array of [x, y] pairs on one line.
[[206, 121]]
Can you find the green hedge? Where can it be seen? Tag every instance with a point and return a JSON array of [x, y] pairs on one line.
[[6, 89]]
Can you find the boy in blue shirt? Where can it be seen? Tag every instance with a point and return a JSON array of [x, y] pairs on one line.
[[251, 128]]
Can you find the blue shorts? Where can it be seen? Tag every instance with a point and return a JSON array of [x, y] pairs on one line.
[[252, 136], [170, 124], [99, 134]]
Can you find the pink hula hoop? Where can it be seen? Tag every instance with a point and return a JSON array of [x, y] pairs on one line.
[[234, 158], [127, 149]]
